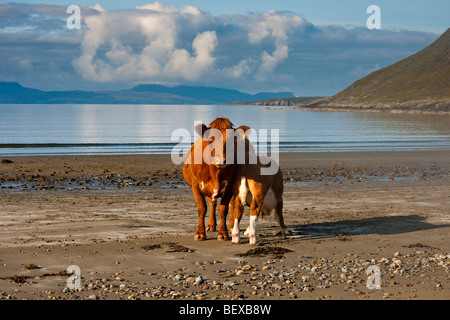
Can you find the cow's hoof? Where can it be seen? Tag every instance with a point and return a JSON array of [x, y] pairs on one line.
[[252, 239], [200, 237], [284, 232], [222, 237], [211, 228], [235, 238]]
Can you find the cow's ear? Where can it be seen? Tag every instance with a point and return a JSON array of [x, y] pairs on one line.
[[244, 131], [201, 129]]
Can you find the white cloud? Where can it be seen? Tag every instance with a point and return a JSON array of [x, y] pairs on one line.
[[238, 71], [98, 8], [279, 27], [158, 7], [180, 44], [152, 41], [190, 67], [270, 61]]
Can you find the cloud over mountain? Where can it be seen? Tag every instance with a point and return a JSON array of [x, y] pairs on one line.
[[157, 43]]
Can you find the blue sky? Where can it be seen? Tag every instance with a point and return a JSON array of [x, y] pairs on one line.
[[307, 47]]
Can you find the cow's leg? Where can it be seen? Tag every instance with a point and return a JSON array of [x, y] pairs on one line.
[[223, 211], [200, 234], [223, 232], [255, 209], [231, 209], [252, 230], [235, 236], [236, 215], [242, 198], [212, 215], [279, 216]]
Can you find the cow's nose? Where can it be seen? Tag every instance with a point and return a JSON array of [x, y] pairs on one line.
[[219, 161]]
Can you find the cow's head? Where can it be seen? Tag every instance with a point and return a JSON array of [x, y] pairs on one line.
[[219, 134]]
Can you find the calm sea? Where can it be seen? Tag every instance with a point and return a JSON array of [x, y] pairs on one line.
[[142, 129]]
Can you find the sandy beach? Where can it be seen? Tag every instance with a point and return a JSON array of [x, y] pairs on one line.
[[128, 222]]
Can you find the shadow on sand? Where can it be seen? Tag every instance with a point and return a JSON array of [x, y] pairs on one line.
[[388, 225]]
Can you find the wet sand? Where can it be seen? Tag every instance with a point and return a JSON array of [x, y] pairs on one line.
[[129, 221]]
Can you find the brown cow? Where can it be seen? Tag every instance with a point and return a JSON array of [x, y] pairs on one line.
[[210, 174], [262, 192]]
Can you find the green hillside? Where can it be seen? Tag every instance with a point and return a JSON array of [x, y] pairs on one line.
[[419, 83]]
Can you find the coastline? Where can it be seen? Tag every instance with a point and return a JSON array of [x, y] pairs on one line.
[[423, 106], [123, 219], [358, 108]]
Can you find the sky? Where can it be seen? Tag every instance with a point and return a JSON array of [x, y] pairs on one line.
[[307, 47]]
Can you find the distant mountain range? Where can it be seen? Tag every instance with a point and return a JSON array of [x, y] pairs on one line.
[[13, 92], [419, 83]]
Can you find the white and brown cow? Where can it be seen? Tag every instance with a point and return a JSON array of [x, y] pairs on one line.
[[210, 174], [262, 192]]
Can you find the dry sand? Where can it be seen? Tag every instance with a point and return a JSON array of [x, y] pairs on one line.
[[128, 222]]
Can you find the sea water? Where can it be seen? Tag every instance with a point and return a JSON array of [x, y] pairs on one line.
[[56, 129]]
